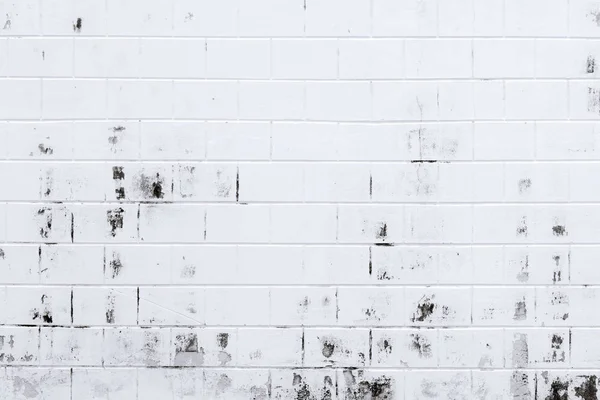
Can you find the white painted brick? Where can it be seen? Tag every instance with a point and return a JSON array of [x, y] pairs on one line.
[[336, 347], [371, 306], [536, 100], [190, 53], [26, 103], [70, 346], [308, 58], [370, 58], [99, 306], [490, 55], [536, 18], [439, 306], [405, 18], [333, 101], [134, 17], [338, 18], [424, 56], [205, 18], [31, 57], [270, 18], [248, 59]]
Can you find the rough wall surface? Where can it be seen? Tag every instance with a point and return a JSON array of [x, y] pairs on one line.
[[299, 199]]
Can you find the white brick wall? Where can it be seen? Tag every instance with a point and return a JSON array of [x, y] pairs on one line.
[[299, 199]]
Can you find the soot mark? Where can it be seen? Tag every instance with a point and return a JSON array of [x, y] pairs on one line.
[[116, 129], [385, 346], [77, 25], [45, 314], [559, 230], [379, 388], [382, 231], [558, 390], [593, 100], [524, 185], [223, 341], [520, 351], [591, 65], [327, 348], [110, 310], [424, 161], [523, 275], [595, 16], [421, 345], [522, 228], [187, 352], [519, 386], [151, 187], [115, 265], [588, 389], [115, 220], [237, 186], [425, 307], [46, 215], [520, 310], [118, 177], [46, 150], [558, 354], [8, 22], [2, 255]]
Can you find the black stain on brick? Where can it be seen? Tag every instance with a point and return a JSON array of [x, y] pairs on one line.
[[116, 129], [520, 311], [558, 390], [385, 346], [47, 150], [223, 340], [46, 228], [524, 185], [383, 275], [151, 187], [45, 314], [382, 231], [72, 307], [591, 65], [593, 100], [558, 354], [588, 389], [421, 345], [237, 185], [115, 265], [327, 348], [384, 244], [115, 220], [77, 25], [2, 255], [523, 275], [110, 310], [72, 228], [118, 176], [522, 228], [187, 352], [425, 307], [424, 161], [559, 230], [118, 173], [301, 389]]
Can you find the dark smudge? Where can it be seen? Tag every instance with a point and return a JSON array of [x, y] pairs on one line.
[[382, 231], [77, 25], [522, 228], [588, 389], [425, 308], [327, 348], [558, 390], [151, 187], [46, 227], [115, 265], [115, 220], [524, 185], [591, 65], [47, 150], [520, 311], [421, 345], [110, 310], [187, 352], [558, 230]]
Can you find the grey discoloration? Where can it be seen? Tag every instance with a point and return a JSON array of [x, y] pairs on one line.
[[118, 177], [77, 25], [522, 227], [2, 255], [110, 309], [421, 345], [8, 23], [559, 390], [223, 384], [45, 214], [559, 230], [557, 353], [115, 220], [520, 351], [44, 313], [523, 275], [425, 309], [556, 276], [593, 104], [520, 310], [115, 265], [187, 352], [360, 387], [25, 387], [327, 347], [588, 389], [382, 231], [385, 346], [224, 186], [46, 150], [524, 185], [591, 65], [151, 344], [519, 386], [151, 187], [595, 16]]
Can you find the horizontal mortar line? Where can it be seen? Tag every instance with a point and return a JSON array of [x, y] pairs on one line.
[[244, 202], [50, 161], [266, 79], [336, 244], [356, 366], [303, 121], [237, 36], [369, 285], [309, 327], [298, 37]]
